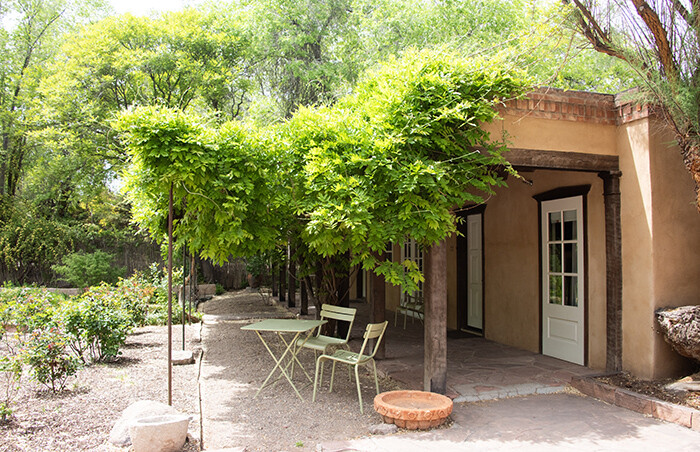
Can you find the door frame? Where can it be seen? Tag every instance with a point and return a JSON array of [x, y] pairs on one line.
[[551, 195], [462, 250]]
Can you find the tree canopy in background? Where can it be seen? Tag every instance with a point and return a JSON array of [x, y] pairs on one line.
[[660, 41], [69, 69]]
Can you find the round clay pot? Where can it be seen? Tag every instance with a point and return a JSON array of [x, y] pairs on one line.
[[413, 409], [165, 433]]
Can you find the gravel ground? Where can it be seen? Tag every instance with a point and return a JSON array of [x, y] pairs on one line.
[[81, 417], [235, 364]]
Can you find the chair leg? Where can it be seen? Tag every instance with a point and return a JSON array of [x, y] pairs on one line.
[[318, 364], [320, 382], [332, 377], [359, 391], [321, 365], [396, 314], [376, 381]]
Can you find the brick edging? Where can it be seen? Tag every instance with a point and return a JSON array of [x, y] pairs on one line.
[[665, 411]]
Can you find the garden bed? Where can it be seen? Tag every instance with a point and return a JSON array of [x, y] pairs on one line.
[[81, 417], [654, 388]]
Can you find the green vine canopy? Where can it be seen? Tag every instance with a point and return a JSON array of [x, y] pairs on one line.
[[389, 162]]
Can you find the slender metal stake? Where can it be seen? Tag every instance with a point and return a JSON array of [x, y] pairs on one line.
[[170, 297], [184, 298]]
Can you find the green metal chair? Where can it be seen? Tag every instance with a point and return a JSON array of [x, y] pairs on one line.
[[410, 304], [322, 343], [373, 331]]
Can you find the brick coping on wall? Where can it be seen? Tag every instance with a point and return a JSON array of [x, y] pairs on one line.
[[578, 106], [650, 406]]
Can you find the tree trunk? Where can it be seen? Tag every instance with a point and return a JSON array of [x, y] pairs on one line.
[[292, 278], [304, 298]]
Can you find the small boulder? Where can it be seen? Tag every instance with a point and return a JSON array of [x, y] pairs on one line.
[[119, 436], [681, 328]]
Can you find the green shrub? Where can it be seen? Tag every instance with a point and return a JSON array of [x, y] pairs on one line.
[[89, 269], [28, 308], [97, 324], [158, 313], [30, 243], [49, 358], [220, 289], [10, 376]]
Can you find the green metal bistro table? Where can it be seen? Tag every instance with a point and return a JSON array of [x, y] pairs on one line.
[[281, 327]]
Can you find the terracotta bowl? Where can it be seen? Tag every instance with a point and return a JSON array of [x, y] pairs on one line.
[[413, 409]]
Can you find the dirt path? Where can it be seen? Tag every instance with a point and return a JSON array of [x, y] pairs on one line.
[[235, 364]]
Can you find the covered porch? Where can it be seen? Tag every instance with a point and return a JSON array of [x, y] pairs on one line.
[[477, 368]]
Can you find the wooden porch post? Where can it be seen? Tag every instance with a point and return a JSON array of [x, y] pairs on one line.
[[613, 270], [435, 354], [377, 304]]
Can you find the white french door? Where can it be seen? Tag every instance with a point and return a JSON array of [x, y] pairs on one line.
[[562, 279], [411, 251], [475, 305]]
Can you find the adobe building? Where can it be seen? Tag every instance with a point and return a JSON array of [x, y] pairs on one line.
[[572, 259]]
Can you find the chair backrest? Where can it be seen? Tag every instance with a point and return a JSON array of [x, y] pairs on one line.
[[329, 311], [373, 331], [411, 300]]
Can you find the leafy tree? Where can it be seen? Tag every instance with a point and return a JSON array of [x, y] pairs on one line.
[[224, 203], [395, 159], [660, 40], [31, 31], [299, 48], [388, 163]]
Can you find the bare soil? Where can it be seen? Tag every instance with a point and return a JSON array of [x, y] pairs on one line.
[[656, 388], [81, 417], [235, 364]]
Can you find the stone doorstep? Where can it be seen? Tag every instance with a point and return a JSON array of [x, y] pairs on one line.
[[640, 403]]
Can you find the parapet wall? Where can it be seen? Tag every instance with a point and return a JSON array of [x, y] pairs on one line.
[[579, 106]]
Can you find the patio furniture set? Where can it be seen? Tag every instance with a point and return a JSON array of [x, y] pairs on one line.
[[333, 349]]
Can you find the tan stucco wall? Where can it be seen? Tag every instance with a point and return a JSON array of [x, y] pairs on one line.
[[637, 253], [676, 242], [511, 263], [566, 136], [660, 245]]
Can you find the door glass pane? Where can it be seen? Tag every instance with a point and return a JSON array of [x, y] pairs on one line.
[[570, 258], [570, 225], [555, 257], [571, 290], [555, 289], [554, 226]]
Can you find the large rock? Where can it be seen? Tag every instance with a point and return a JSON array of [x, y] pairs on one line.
[[681, 329], [119, 436]]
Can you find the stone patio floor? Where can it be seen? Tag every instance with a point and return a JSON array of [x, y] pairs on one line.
[[477, 369]]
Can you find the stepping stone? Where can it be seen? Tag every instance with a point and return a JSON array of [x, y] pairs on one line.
[[383, 429], [182, 357]]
